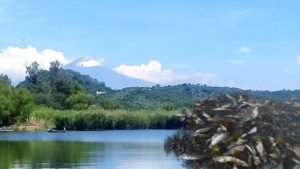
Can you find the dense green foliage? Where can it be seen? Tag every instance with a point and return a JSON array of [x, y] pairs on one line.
[[153, 97], [15, 103], [52, 88], [100, 119], [79, 101], [107, 103], [58, 88], [184, 95], [90, 85]]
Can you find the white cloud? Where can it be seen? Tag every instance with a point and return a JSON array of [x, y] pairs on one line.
[[245, 49], [14, 59], [298, 59], [236, 62], [153, 72], [90, 63]]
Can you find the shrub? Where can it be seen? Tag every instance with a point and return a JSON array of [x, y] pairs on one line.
[[15, 104], [100, 119], [79, 101], [168, 106], [109, 104]]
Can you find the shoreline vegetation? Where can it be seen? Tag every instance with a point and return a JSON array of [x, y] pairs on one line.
[[96, 118], [58, 98]]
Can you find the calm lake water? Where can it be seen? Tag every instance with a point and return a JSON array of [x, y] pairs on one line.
[[123, 149]]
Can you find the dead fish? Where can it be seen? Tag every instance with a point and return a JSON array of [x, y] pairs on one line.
[[232, 99], [244, 135], [249, 104], [296, 161], [235, 149], [253, 104], [233, 116], [219, 109], [199, 134], [261, 151], [246, 118], [180, 115], [237, 143], [272, 140], [243, 105], [203, 130], [267, 102], [274, 156], [222, 108], [253, 130], [241, 98], [256, 159], [251, 149], [255, 113], [217, 138], [189, 114], [199, 121], [206, 115], [191, 157], [225, 159], [221, 128]]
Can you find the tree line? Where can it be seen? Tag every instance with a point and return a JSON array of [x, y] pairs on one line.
[[53, 88]]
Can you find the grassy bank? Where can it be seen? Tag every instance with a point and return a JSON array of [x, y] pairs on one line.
[[100, 119]]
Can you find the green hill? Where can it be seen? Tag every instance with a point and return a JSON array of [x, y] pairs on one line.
[[55, 85]]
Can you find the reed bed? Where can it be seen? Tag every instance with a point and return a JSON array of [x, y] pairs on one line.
[[99, 119]]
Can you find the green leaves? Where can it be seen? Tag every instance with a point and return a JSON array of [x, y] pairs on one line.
[[32, 72], [5, 79], [23, 103], [79, 101], [109, 104], [15, 104]]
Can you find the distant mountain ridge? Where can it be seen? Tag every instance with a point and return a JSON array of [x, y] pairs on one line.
[[104, 74], [131, 95], [185, 95]]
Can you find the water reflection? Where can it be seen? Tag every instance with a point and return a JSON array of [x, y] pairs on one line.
[[38, 154], [63, 151]]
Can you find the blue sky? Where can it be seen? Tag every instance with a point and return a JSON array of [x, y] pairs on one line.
[[248, 44]]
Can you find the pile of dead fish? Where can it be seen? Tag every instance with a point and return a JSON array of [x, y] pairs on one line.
[[236, 131]]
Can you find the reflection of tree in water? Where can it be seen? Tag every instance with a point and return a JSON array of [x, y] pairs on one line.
[[236, 132], [39, 154]]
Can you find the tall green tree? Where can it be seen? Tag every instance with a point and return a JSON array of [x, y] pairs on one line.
[[79, 101], [5, 79], [32, 72], [15, 103], [55, 66], [107, 103], [6, 100]]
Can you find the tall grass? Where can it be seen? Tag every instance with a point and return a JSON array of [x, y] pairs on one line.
[[100, 119]]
